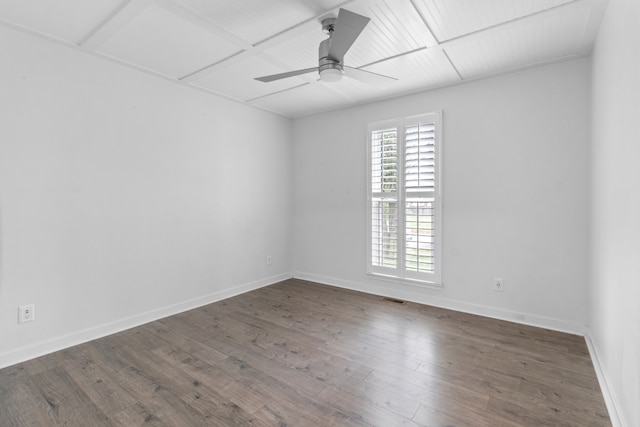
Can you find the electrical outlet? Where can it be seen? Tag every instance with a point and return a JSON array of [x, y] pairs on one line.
[[268, 259], [498, 284], [26, 313]]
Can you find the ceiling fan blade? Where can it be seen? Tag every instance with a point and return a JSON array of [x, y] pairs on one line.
[[369, 77], [273, 77], [348, 27]]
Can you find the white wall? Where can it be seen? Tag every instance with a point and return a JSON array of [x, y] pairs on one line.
[[615, 253], [124, 197], [516, 173]]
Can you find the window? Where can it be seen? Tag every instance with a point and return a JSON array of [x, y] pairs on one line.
[[404, 219]]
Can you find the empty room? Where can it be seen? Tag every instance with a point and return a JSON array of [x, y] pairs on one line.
[[320, 213]]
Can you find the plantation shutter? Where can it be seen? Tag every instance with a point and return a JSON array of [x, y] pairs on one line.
[[404, 207], [384, 212], [419, 169]]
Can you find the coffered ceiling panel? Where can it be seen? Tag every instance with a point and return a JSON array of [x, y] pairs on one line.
[[354, 90], [299, 52], [395, 28], [258, 20], [159, 40], [418, 71], [292, 103], [554, 37], [221, 46], [68, 20], [450, 19], [237, 80]]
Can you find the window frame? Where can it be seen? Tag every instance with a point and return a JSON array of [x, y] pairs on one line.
[[400, 272]]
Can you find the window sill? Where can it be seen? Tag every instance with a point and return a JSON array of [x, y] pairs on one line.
[[404, 281]]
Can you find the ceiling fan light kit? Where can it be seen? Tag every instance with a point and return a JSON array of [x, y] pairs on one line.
[[343, 32], [330, 75]]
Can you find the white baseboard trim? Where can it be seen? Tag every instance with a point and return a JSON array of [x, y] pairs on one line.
[[59, 343], [415, 294], [615, 412]]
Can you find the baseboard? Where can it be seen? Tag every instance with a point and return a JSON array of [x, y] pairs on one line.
[[416, 294], [59, 343], [615, 412]]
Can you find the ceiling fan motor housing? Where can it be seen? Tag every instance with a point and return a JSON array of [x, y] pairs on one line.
[[326, 63]]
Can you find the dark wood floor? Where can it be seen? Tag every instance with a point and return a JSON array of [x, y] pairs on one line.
[[303, 354]]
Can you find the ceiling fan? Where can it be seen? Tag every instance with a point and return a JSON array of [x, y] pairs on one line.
[[343, 32]]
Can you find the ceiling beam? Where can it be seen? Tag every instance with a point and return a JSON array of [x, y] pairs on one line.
[[252, 51], [203, 22], [257, 98], [540, 15], [114, 22], [433, 40]]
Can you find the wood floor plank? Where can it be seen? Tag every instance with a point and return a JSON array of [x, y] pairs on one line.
[[356, 408], [193, 398], [303, 354], [384, 397], [67, 402], [18, 394], [288, 403], [437, 394], [437, 416], [105, 393]]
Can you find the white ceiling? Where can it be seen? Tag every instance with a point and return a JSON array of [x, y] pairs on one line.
[[219, 46]]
